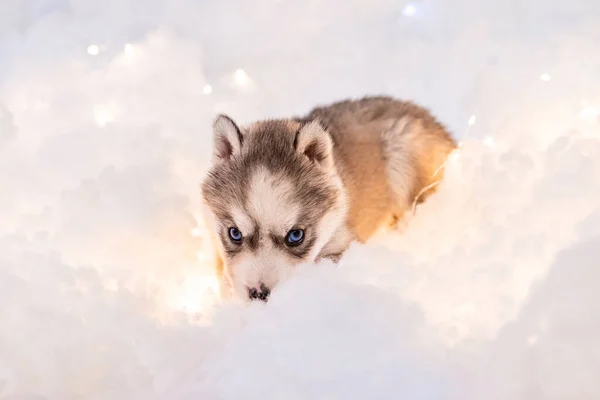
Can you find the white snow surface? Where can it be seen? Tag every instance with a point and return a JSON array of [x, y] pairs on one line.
[[492, 292]]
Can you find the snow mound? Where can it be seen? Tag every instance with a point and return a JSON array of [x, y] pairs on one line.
[[105, 285]]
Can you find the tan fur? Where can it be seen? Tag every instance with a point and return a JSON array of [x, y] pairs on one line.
[[386, 152], [345, 171]]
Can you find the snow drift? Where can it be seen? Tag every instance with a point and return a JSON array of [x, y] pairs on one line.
[[105, 291]]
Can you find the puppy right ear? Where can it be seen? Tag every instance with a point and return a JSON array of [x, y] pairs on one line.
[[315, 143], [227, 138]]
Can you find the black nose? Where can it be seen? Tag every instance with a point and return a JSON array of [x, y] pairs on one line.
[[259, 294]]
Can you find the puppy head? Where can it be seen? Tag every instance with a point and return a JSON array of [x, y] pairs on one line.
[[274, 198]]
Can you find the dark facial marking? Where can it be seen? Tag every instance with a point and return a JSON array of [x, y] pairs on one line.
[[250, 241], [299, 251], [253, 240], [231, 249]]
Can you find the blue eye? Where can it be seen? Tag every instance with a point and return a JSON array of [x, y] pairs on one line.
[[235, 234], [294, 237]]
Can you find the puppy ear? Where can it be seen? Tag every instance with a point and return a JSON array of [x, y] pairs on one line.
[[227, 138], [315, 143]]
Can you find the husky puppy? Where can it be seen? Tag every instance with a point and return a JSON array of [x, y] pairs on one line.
[[286, 191]]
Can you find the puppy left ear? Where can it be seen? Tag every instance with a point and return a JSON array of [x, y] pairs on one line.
[[227, 138], [315, 143]]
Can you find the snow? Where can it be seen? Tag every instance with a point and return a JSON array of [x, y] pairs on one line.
[[105, 287]]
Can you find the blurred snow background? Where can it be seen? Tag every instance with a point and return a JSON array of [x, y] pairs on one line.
[[105, 111]]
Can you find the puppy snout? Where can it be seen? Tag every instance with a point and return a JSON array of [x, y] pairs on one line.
[[262, 293]]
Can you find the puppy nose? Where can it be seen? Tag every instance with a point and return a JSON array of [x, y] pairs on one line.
[[259, 294]]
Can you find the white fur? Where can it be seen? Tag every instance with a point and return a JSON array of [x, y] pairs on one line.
[[269, 201], [242, 221], [333, 234], [399, 141], [268, 266]]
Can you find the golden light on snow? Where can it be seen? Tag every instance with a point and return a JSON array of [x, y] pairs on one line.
[[196, 232], [472, 120], [207, 89], [103, 115], [545, 77], [93, 50], [199, 289], [453, 157], [201, 256], [197, 293]]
